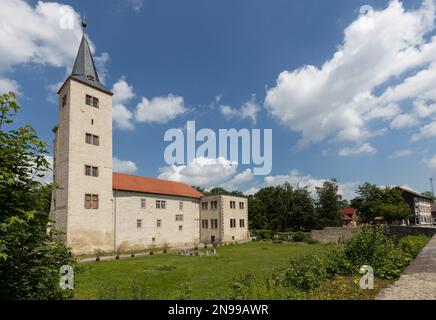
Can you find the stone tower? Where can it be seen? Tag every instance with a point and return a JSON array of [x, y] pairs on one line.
[[82, 204]]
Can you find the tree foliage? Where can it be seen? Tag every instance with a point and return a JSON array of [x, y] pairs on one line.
[[30, 257], [372, 202]]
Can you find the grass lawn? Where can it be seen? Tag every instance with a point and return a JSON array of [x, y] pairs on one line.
[[165, 276]]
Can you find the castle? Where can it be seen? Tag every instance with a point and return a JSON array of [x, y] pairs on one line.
[[95, 208]]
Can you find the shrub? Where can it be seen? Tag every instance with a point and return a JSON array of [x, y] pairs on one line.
[[310, 240], [305, 273], [372, 247], [299, 236], [412, 245], [264, 234]]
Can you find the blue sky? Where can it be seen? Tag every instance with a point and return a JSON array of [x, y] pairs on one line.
[[355, 99]]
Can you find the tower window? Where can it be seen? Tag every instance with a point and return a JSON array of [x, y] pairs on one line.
[[159, 223], [92, 139], [180, 228], [180, 205], [241, 223], [91, 171], [91, 201], [91, 101], [143, 203], [179, 217], [139, 223], [64, 100]]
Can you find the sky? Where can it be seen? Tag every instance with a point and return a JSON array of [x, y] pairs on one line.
[[347, 87]]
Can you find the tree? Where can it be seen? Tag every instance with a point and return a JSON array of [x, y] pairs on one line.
[[373, 201], [30, 257], [429, 194], [329, 203]]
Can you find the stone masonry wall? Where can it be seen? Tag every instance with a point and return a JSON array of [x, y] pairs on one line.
[[333, 234], [404, 231]]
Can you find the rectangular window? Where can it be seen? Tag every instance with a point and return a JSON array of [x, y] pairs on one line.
[[241, 223], [157, 204], [87, 170], [88, 100], [179, 217], [204, 205], [143, 203], [180, 205], [163, 204], [88, 138], [95, 171], [88, 199], [232, 223], [139, 223], [95, 201], [95, 140], [180, 228], [95, 102], [64, 100], [204, 224], [214, 205], [241, 205], [91, 201], [232, 204], [159, 223], [214, 223]]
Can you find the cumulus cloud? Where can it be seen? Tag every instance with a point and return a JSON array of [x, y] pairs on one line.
[[47, 34], [365, 148], [248, 110], [203, 172], [432, 163], [426, 131], [297, 180], [121, 115], [159, 109], [123, 166], [337, 100], [400, 154], [7, 85]]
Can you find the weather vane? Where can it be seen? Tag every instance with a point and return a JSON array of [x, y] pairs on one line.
[[84, 23]]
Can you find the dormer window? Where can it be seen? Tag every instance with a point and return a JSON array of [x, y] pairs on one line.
[[90, 78]]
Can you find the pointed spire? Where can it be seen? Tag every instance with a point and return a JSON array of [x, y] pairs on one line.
[[84, 69], [84, 65]]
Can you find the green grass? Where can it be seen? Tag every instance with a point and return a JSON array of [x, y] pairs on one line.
[[173, 277]]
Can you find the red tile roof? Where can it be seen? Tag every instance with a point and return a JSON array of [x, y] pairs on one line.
[[127, 182], [349, 211]]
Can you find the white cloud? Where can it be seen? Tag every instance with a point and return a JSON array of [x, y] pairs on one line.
[[203, 172], [295, 179], [121, 115], [402, 121], [244, 176], [136, 5], [400, 154], [432, 163], [123, 166], [248, 110], [365, 148], [426, 131], [336, 100], [48, 34], [159, 109], [7, 85]]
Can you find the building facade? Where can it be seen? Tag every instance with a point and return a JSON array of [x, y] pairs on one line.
[[420, 206], [224, 219], [97, 209]]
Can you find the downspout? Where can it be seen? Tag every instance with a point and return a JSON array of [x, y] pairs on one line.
[[115, 221]]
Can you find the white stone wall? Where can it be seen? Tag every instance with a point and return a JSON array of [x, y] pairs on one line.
[[209, 214], [224, 233], [128, 211], [86, 229]]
